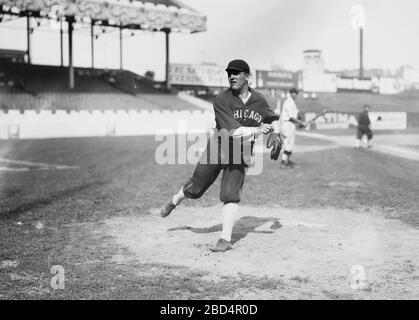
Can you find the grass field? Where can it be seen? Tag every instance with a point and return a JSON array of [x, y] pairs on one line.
[[299, 233]]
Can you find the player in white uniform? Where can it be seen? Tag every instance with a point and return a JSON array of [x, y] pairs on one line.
[[289, 120]]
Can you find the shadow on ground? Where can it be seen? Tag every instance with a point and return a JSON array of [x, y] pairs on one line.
[[242, 227]]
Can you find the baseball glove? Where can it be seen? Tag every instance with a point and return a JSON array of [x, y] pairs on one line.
[[275, 142]]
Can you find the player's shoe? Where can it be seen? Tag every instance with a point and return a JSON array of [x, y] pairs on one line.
[[222, 246], [287, 164], [167, 209]]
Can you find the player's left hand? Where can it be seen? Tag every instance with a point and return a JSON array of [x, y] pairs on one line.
[[266, 128]]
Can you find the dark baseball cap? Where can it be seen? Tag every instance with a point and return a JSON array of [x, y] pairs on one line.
[[239, 65]]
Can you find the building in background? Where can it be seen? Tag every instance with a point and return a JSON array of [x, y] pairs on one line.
[[314, 76], [410, 77], [313, 62]]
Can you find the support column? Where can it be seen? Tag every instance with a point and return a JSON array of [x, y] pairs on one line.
[[28, 34], [361, 52], [92, 43], [167, 33], [120, 48], [70, 21], [61, 43]]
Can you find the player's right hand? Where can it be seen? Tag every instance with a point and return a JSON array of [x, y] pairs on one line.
[[266, 128]]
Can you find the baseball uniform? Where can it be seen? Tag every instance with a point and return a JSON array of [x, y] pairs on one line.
[[289, 110], [231, 112], [364, 126]]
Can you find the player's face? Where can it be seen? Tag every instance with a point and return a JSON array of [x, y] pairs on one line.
[[236, 79], [294, 95]]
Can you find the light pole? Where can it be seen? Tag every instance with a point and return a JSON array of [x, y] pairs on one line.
[[358, 23]]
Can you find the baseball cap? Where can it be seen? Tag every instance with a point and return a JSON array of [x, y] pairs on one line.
[[294, 90], [239, 65]]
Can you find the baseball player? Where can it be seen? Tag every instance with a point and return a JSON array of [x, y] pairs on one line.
[[289, 121], [244, 114], [364, 127]]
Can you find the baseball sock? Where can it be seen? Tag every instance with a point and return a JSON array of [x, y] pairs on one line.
[[284, 157], [357, 143], [229, 217], [178, 197]]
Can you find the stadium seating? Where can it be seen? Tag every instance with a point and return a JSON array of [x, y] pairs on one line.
[[24, 86]]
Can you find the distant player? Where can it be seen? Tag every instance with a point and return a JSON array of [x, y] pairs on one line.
[[244, 114], [364, 128], [289, 121]]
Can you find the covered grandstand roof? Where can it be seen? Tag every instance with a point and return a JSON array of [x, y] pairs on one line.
[[150, 15], [169, 3]]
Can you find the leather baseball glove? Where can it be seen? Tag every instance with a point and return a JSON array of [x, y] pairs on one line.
[[275, 142]]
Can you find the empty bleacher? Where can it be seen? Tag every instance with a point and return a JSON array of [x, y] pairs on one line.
[[24, 86]]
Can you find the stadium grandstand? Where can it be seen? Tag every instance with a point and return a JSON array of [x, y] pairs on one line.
[[24, 85]]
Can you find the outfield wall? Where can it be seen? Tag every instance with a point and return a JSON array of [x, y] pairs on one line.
[[62, 124], [342, 120]]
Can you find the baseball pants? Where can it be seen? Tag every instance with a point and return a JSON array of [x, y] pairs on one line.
[[289, 130], [364, 130], [206, 172]]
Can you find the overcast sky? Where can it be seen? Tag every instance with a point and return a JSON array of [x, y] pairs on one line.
[[262, 32]]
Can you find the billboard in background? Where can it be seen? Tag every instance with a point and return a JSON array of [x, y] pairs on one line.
[[342, 120], [388, 120], [356, 84], [283, 80], [319, 82], [198, 75]]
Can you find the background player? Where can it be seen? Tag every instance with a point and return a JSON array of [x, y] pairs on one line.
[[364, 127], [244, 114], [289, 120]]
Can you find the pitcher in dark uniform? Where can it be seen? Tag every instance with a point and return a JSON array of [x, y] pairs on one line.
[[242, 114]]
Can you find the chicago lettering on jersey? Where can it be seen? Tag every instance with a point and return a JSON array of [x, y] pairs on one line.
[[247, 114]]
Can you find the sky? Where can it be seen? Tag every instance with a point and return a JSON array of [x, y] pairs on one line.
[[264, 33]]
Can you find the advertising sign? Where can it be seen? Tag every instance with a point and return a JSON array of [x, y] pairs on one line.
[[198, 75], [284, 80], [340, 120], [355, 84]]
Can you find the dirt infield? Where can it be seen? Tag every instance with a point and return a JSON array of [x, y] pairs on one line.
[[317, 246], [299, 234]]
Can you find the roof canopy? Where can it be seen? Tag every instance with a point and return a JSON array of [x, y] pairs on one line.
[[150, 15]]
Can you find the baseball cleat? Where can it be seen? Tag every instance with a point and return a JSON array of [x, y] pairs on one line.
[[287, 164], [168, 208], [222, 246]]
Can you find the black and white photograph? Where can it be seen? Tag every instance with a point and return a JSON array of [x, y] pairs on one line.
[[221, 152]]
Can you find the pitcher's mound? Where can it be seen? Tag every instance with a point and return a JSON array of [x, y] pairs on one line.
[[321, 245]]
